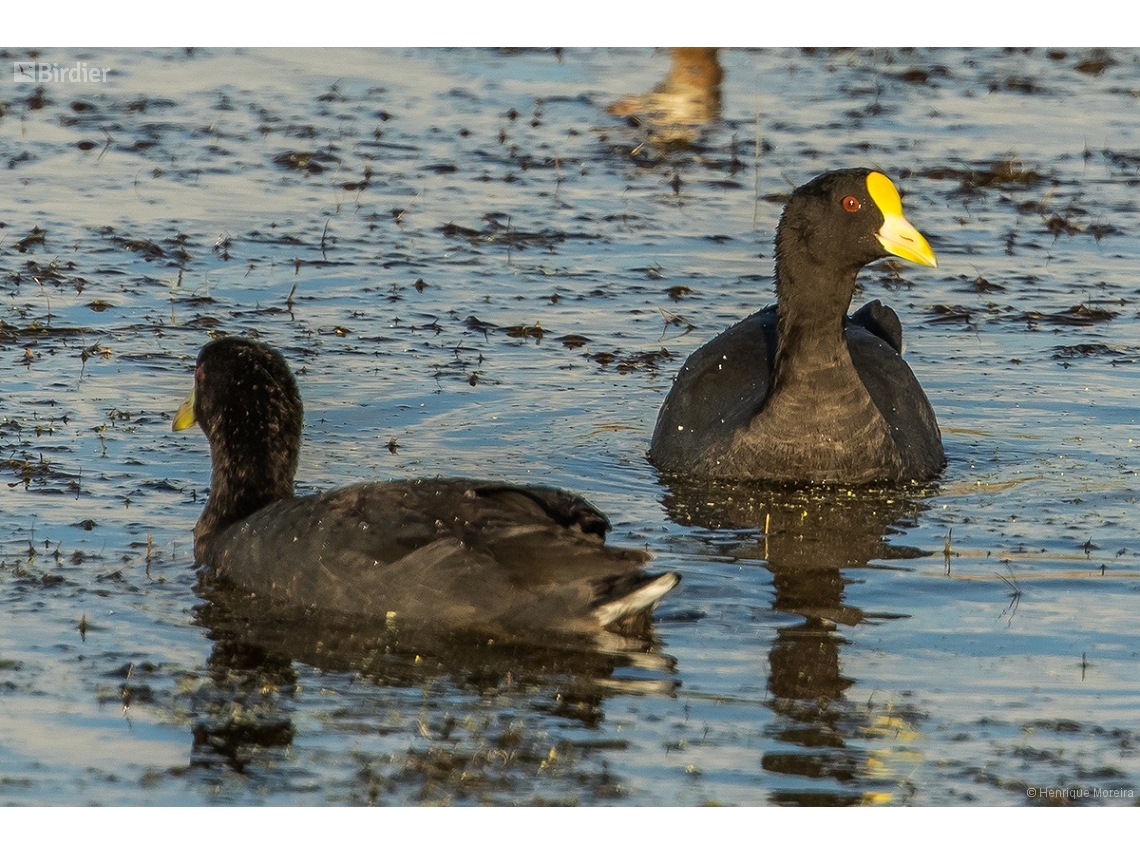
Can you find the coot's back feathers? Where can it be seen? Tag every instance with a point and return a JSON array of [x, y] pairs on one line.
[[799, 392]]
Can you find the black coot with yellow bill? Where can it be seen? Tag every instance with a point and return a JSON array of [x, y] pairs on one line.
[[447, 553], [800, 393]]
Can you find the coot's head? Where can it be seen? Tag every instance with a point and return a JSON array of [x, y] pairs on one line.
[[247, 403], [838, 222]]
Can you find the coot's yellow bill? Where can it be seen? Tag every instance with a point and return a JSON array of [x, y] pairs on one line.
[[184, 418], [897, 235]]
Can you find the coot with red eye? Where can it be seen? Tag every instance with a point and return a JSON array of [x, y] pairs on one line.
[[800, 393], [446, 553]]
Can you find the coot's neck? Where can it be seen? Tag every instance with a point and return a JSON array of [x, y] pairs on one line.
[[252, 467], [812, 299], [820, 420]]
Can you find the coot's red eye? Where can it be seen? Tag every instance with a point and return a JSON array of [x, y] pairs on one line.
[[851, 204]]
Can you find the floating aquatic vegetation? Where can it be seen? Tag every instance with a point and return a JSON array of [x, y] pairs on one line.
[[1079, 315], [309, 162]]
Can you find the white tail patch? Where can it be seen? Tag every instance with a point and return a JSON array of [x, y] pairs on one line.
[[641, 599]]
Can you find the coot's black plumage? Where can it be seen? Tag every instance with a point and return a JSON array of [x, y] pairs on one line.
[[799, 392], [439, 553]]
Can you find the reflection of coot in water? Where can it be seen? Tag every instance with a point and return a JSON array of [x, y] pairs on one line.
[[799, 393], [240, 621], [439, 553], [806, 528], [808, 538], [474, 695]]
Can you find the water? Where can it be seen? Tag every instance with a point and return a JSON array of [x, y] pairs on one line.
[[401, 223]]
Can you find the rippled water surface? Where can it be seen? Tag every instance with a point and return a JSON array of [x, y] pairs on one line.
[[464, 253]]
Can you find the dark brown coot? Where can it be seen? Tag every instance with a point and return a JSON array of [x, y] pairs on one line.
[[799, 392], [444, 553]]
